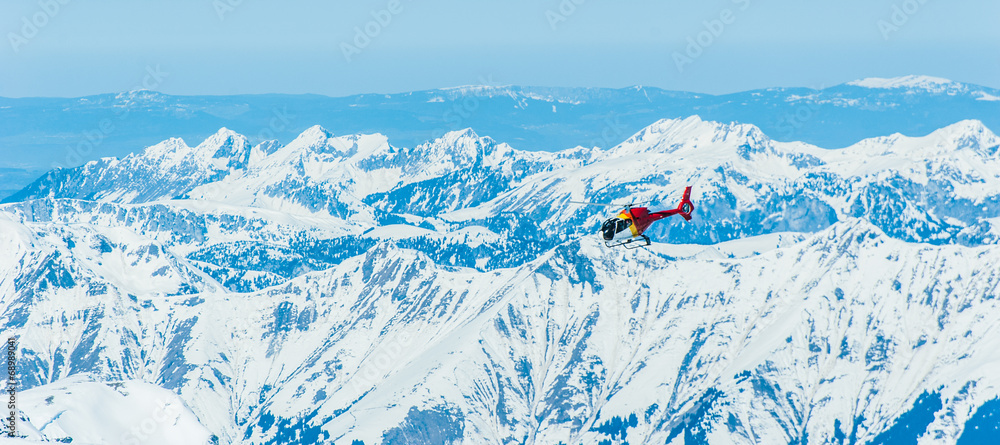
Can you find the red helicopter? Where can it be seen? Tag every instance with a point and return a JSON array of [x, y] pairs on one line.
[[627, 227]]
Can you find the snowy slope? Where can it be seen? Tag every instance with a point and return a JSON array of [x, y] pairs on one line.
[[583, 340], [84, 411], [558, 348], [340, 289]]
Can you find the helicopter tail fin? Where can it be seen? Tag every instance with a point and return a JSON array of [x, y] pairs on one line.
[[686, 206]]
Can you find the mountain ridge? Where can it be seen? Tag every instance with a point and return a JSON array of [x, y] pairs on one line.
[[577, 276], [366, 179], [286, 292]]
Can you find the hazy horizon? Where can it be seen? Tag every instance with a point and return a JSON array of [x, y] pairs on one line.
[[466, 85]]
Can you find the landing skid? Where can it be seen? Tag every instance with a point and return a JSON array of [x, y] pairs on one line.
[[629, 243]]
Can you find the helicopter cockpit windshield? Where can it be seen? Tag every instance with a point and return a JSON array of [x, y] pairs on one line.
[[613, 226]]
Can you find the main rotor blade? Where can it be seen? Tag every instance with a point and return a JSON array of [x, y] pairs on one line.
[[630, 204]]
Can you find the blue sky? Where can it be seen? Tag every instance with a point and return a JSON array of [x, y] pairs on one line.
[[73, 48]]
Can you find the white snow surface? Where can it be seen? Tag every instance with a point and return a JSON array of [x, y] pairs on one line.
[[643, 334], [927, 83], [776, 336], [92, 412]]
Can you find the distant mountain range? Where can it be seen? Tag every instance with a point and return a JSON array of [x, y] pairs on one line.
[[349, 289], [37, 134]]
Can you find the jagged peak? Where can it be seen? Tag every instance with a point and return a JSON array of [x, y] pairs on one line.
[[174, 142], [694, 126], [667, 135], [969, 133], [852, 230], [316, 132], [969, 126], [456, 135], [222, 136], [224, 144], [461, 140], [314, 137], [463, 148], [160, 149]]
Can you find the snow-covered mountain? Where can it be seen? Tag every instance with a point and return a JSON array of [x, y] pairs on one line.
[[343, 289], [80, 410], [925, 83], [939, 188]]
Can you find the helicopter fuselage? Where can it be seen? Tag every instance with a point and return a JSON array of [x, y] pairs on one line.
[[631, 223]]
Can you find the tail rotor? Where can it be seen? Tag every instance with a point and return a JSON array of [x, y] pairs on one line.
[[686, 206]]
